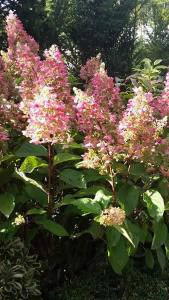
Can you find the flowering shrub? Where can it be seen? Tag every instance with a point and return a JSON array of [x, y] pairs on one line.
[[82, 155]]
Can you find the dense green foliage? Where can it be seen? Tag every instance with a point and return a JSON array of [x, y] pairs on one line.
[[19, 272]]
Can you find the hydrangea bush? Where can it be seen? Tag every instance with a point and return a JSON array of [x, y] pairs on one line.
[[81, 153]]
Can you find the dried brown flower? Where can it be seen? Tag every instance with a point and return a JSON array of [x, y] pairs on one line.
[[112, 216]]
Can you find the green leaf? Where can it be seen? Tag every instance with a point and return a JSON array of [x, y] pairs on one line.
[[76, 146], [90, 191], [160, 235], [103, 198], [36, 211], [23, 177], [8, 158], [92, 175], [149, 259], [27, 149], [167, 246], [155, 204], [31, 163], [5, 175], [64, 156], [157, 62], [7, 204], [128, 197], [36, 194], [134, 231], [163, 188], [53, 227], [74, 178], [113, 236], [87, 206], [118, 256], [125, 233], [137, 169], [161, 258]]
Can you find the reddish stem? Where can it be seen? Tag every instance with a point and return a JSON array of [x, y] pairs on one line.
[[50, 175]]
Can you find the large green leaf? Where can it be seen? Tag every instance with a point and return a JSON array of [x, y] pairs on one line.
[[27, 149], [74, 178], [87, 206], [7, 204], [65, 156], [31, 163], [118, 256], [163, 188], [125, 233], [113, 236], [24, 178], [53, 227], [90, 191], [155, 204], [36, 211], [92, 175], [128, 197], [36, 194], [137, 169], [134, 231], [5, 175], [160, 235]]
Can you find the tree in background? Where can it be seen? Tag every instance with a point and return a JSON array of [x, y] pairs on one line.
[[82, 29], [153, 41], [98, 26]]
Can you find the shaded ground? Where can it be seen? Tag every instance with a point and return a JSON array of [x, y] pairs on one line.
[[103, 284]]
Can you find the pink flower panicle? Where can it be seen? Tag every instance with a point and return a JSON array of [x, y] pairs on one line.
[[17, 36], [51, 110], [53, 73], [161, 104], [48, 120], [139, 128], [22, 58], [42, 85], [91, 67], [97, 115], [4, 87], [9, 111]]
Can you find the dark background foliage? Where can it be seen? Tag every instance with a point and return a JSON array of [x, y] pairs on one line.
[[86, 28]]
